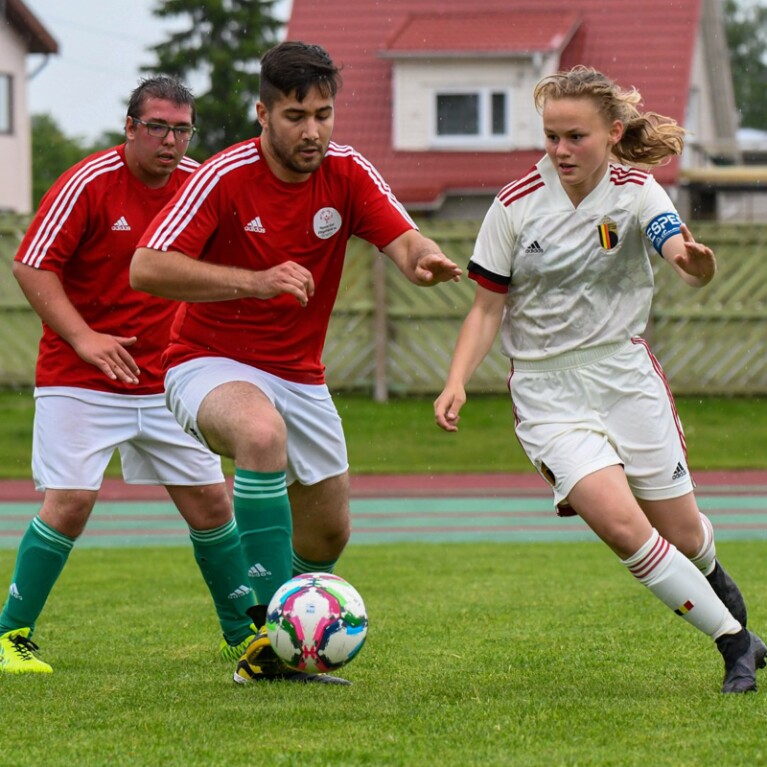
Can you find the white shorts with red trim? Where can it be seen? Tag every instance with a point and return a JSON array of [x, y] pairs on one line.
[[611, 405]]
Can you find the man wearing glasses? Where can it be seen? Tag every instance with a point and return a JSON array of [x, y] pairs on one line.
[[99, 385]]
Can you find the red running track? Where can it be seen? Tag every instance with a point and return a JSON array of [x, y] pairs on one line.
[[417, 485]]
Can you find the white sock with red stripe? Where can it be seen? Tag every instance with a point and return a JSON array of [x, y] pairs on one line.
[[680, 586], [705, 559]]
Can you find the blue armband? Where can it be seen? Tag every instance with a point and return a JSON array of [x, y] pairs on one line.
[[661, 228]]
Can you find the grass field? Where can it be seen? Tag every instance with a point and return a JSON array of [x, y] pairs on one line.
[[400, 436], [478, 654]]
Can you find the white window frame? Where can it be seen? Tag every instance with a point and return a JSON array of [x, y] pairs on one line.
[[484, 138], [6, 104]]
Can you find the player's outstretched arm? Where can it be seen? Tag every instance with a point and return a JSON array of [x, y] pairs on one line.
[[421, 260], [475, 340], [174, 275], [693, 261], [47, 297]]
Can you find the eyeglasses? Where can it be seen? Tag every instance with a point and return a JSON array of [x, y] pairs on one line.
[[182, 133]]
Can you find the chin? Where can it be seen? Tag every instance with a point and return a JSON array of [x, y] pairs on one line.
[[310, 167]]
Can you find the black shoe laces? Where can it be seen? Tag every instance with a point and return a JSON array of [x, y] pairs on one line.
[[25, 647]]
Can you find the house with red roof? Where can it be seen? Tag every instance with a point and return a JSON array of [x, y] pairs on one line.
[[21, 33], [437, 94]]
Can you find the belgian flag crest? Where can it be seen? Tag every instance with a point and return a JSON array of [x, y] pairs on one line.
[[608, 234]]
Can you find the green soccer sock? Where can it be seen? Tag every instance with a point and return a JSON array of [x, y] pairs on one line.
[[220, 558], [262, 511], [42, 554], [301, 565]]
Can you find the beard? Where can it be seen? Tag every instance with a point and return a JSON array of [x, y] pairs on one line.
[[290, 157]]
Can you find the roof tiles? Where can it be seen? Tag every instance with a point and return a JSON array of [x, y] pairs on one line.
[[649, 46]]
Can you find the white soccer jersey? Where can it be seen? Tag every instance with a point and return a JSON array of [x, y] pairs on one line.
[[575, 277]]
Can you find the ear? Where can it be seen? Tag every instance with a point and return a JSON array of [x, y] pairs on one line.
[[262, 114], [130, 128], [616, 132]]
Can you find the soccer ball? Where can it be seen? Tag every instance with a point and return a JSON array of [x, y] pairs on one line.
[[316, 622]]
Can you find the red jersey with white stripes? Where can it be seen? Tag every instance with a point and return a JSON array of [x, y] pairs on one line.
[[575, 277], [235, 211], [86, 231]]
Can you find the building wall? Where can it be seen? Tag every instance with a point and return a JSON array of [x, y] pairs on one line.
[[15, 148], [415, 81]]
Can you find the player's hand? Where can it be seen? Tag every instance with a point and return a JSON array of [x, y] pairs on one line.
[[287, 277], [108, 354], [433, 268], [697, 262], [448, 406]]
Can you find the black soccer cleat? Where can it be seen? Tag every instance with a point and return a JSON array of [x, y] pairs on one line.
[[743, 654], [727, 590], [259, 662]]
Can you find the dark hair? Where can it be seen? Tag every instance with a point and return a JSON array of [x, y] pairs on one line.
[[160, 87], [293, 66]]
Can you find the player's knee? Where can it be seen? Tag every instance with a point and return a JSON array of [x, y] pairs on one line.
[[625, 534], [67, 511], [203, 507], [323, 542], [338, 538], [262, 444], [690, 543], [330, 544]]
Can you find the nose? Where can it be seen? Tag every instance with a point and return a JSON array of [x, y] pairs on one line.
[[170, 139], [311, 129]]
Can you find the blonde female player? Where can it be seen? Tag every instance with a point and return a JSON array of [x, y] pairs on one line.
[[562, 264]]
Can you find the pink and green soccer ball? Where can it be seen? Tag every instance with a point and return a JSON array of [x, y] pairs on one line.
[[316, 622]]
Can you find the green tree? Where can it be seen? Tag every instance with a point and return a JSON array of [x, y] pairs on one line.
[[223, 41], [108, 139], [746, 29], [52, 154]]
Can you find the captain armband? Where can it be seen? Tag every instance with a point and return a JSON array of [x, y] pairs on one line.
[[661, 228]]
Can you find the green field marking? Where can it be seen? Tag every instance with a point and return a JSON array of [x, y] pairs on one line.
[[716, 502], [442, 505], [393, 520]]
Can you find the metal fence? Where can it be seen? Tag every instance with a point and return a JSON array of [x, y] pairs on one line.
[[388, 337]]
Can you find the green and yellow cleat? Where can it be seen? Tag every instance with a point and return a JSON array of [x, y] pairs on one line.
[[233, 652], [17, 654]]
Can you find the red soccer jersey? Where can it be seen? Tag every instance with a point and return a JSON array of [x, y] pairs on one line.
[[236, 212], [86, 231]]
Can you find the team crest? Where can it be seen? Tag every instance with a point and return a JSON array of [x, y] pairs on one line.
[[327, 221], [608, 234]]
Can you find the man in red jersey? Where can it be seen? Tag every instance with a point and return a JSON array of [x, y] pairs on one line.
[[99, 385], [254, 245]]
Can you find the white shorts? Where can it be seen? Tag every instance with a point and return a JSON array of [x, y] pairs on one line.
[[583, 411], [316, 444], [76, 432]]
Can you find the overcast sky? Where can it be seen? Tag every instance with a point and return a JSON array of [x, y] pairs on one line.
[[102, 46]]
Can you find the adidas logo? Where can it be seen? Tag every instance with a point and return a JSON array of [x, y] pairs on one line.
[[240, 591], [256, 226], [121, 225], [14, 592], [680, 471], [258, 571], [534, 247]]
